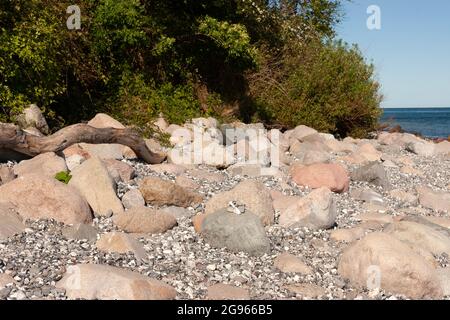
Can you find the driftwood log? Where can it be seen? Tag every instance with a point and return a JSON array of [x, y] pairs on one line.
[[13, 138]]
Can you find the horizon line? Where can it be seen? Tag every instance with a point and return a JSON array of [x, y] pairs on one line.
[[414, 107]]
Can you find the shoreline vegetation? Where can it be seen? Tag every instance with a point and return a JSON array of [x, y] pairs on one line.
[[279, 63]]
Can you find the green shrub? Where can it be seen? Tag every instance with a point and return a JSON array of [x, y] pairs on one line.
[[328, 86]]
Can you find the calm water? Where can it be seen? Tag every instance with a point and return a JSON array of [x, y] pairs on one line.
[[430, 122]]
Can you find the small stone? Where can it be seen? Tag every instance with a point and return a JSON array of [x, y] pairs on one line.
[[121, 243], [286, 262], [80, 231], [160, 192], [133, 198], [227, 292], [145, 220]]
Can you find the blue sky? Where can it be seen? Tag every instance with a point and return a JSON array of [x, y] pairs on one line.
[[411, 52]]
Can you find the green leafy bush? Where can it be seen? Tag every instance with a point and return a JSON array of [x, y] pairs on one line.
[[135, 59], [328, 86]]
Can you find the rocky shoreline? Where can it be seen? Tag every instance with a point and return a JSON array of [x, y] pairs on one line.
[[351, 219]]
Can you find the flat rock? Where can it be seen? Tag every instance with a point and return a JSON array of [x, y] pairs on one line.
[[102, 282], [93, 181], [317, 211], [222, 291], [243, 232], [289, 263], [145, 220], [48, 164], [160, 192], [40, 197], [332, 176], [120, 242], [253, 194], [398, 268]]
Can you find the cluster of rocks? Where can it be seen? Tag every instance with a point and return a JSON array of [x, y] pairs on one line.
[[274, 215]]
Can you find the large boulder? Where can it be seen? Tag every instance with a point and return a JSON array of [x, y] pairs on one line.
[[243, 232], [91, 281], [437, 200], [48, 164], [393, 264], [39, 197], [93, 181], [330, 175], [317, 211], [145, 220], [159, 192], [420, 235], [253, 194]]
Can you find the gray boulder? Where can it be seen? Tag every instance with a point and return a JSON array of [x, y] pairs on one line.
[[373, 173], [243, 232]]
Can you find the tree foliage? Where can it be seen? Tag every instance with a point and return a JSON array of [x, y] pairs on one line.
[[262, 60]]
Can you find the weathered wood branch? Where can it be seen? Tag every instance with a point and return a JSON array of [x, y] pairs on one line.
[[15, 139]]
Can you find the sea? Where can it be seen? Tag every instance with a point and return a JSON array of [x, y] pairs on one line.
[[429, 122]]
